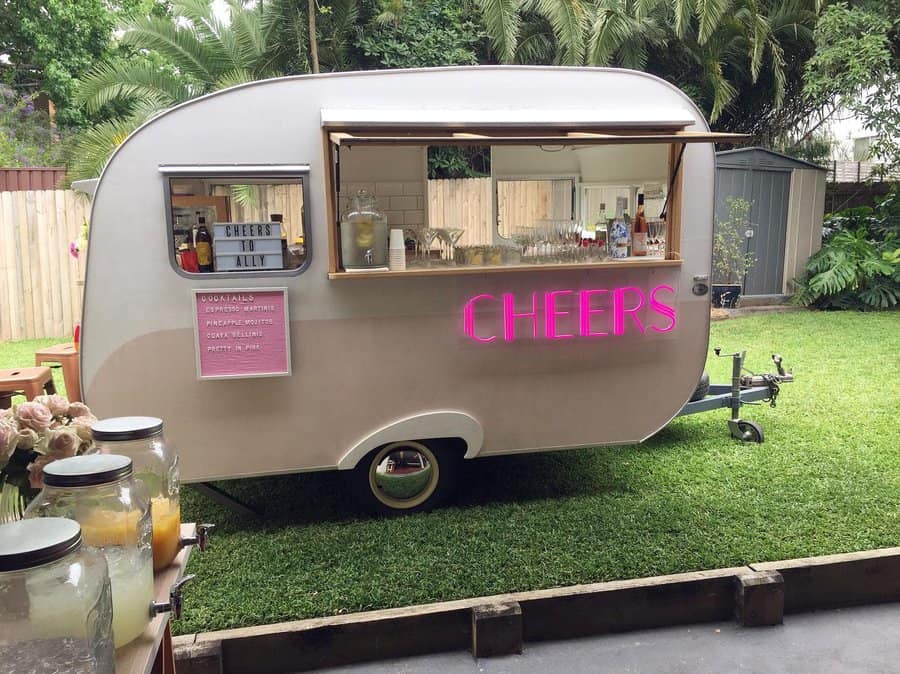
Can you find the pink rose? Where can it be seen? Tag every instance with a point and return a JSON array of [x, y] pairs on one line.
[[82, 426], [34, 415], [57, 405], [63, 442], [9, 436], [27, 439], [79, 410], [36, 470]]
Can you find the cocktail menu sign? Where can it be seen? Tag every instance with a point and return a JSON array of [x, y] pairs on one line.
[[242, 333]]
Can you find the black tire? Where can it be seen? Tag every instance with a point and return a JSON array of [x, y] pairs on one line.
[[752, 431], [702, 387], [444, 459]]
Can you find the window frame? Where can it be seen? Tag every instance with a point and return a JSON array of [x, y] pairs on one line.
[[234, 173]]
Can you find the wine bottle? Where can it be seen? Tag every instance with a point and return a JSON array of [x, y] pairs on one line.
[[639, 230]]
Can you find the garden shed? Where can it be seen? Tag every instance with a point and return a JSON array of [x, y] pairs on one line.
[[787, 204]]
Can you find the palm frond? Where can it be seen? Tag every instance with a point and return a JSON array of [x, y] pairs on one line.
[[179, 45], [569, 20], [90, 151], [709, 14], [683, 10], [129, 81], [610, 30], [501, 22], [234, 77]]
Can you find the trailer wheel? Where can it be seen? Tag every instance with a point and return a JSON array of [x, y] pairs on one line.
[[752, 432], [702, 388], [406, 477]]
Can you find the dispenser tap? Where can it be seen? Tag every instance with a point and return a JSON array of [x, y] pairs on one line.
[[200, 539], [175, 605]]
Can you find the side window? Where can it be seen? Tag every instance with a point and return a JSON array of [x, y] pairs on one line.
[[237, 224]]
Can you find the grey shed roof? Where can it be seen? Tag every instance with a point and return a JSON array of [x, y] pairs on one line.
[[760, 157]]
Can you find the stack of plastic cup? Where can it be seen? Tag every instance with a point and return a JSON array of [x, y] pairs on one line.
[[397, 251]]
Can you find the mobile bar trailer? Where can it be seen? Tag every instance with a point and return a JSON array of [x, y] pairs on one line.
[[227, 295]]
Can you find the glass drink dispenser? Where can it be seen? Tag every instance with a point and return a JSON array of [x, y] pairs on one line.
[[55, 601], [101, 494], [156, 465], [364, 234]]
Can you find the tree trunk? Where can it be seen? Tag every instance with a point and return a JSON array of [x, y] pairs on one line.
[[313, 41]]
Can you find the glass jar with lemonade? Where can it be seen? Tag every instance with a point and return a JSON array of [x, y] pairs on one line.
[[100, 493], [156, 465]]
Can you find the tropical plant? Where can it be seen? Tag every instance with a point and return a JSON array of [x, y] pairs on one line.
[[197, 53], [715, 49], [858, 266], [731, 260]]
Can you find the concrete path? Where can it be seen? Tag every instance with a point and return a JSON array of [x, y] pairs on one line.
[[861, 640]]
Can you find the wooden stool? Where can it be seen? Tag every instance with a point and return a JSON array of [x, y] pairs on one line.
[[30, 381], [67, 357]]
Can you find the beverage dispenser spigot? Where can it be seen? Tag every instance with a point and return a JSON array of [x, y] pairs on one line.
[[175, 605], [200, 539]]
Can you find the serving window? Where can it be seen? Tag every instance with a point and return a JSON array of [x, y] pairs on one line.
[[237, 220], [559, 197]]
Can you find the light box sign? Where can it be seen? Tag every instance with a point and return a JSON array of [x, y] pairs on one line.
[[569, 314], [242, 333], [247, 246]]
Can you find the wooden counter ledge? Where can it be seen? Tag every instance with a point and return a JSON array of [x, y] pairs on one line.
[[144, 655], [438, 270]]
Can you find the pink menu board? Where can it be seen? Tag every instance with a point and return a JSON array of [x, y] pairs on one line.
[[242, 333]]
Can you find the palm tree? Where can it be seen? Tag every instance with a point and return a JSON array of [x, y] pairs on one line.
[[722, 40], [199, 53]]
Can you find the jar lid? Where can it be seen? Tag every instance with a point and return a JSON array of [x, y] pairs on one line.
[[126, 428], [33, 542], [87, 471]]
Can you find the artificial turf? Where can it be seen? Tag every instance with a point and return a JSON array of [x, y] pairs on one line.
[[826, 480]]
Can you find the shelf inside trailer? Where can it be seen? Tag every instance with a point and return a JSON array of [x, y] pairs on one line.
[[438, 270]]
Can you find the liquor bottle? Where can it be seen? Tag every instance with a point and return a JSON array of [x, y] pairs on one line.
[[602, 229], [204, 246], [618, 231], [639, 230]]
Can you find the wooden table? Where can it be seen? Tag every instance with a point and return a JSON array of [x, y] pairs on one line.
[[151, 653], [67, 356]]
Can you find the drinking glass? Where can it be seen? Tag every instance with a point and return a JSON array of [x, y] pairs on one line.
[[453, 235]]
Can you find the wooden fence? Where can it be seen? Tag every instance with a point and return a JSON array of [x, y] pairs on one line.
[[465, 203], [41, 283]]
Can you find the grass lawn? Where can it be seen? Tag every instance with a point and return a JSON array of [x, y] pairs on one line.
[[826, 480]]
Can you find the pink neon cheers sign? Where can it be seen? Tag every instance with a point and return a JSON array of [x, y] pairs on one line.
[[566, 314]]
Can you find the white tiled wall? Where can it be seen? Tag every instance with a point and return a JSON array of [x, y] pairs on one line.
[[403, 203]]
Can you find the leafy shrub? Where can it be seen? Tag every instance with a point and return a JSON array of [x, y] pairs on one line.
[[731, 260], [858, 266], [25, 136]]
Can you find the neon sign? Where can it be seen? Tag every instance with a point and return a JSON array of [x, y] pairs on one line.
[[567, 314]]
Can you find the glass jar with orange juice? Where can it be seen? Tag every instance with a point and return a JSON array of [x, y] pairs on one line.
[[156, 465], [100, 493]]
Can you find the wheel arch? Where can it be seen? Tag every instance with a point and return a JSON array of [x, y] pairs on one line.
[[423, 426]]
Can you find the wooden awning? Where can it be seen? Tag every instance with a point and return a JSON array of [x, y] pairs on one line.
[[539, 136]]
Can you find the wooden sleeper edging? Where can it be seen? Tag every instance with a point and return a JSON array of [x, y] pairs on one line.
[[758, 594]]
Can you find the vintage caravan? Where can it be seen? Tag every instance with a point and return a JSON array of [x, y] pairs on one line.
[[239, 286]]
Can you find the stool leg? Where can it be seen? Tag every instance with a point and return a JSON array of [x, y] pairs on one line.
[[50, 386], [5, 401], [72, 379], [32, 390]]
